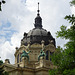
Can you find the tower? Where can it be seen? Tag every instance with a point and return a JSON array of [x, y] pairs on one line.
[[33, 56]]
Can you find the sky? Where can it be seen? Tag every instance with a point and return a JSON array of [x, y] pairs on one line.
[[17, 17]]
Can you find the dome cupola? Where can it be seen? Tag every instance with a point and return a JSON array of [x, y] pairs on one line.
[[37, 34]]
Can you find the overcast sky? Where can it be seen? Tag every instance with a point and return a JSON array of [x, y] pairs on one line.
[[18, 16]]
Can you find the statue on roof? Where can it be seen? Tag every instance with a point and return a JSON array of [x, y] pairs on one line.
[[25, 54], [42, 54]]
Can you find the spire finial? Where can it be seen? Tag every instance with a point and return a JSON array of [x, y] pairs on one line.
[[38, 9], [38, 19]]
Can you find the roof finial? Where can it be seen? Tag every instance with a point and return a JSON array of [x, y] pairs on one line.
[[38, 9], [38, 19]]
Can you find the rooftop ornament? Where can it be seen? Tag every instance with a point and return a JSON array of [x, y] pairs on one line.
[[25, 54], [42, 54]]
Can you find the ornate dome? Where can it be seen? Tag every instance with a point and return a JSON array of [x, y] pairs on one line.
[[37, 34]]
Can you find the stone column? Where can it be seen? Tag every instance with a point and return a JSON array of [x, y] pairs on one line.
[[42, 61], [24, 61]]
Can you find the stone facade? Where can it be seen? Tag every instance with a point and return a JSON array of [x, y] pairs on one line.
[[33, 66]]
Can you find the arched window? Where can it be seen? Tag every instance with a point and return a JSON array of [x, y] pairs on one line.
[[18, 58], [47, 55]]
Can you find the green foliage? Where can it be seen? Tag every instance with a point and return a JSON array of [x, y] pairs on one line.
[[1, 62], [64, 59], [69, 72], [6, 73], [68, 33], [72, 2], [56, 55], [53, 72], [71, 19], [62, 32]]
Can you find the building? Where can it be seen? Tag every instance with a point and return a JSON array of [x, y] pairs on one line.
[[33, 56]]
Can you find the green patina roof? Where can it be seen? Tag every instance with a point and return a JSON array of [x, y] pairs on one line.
[[1, 62], [42, 54]]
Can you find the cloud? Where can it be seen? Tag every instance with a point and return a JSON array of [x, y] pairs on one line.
[[18, 17], [5, 50], [2, 40]]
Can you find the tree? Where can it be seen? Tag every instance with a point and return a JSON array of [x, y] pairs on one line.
[[72, 2], [64, 59]]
